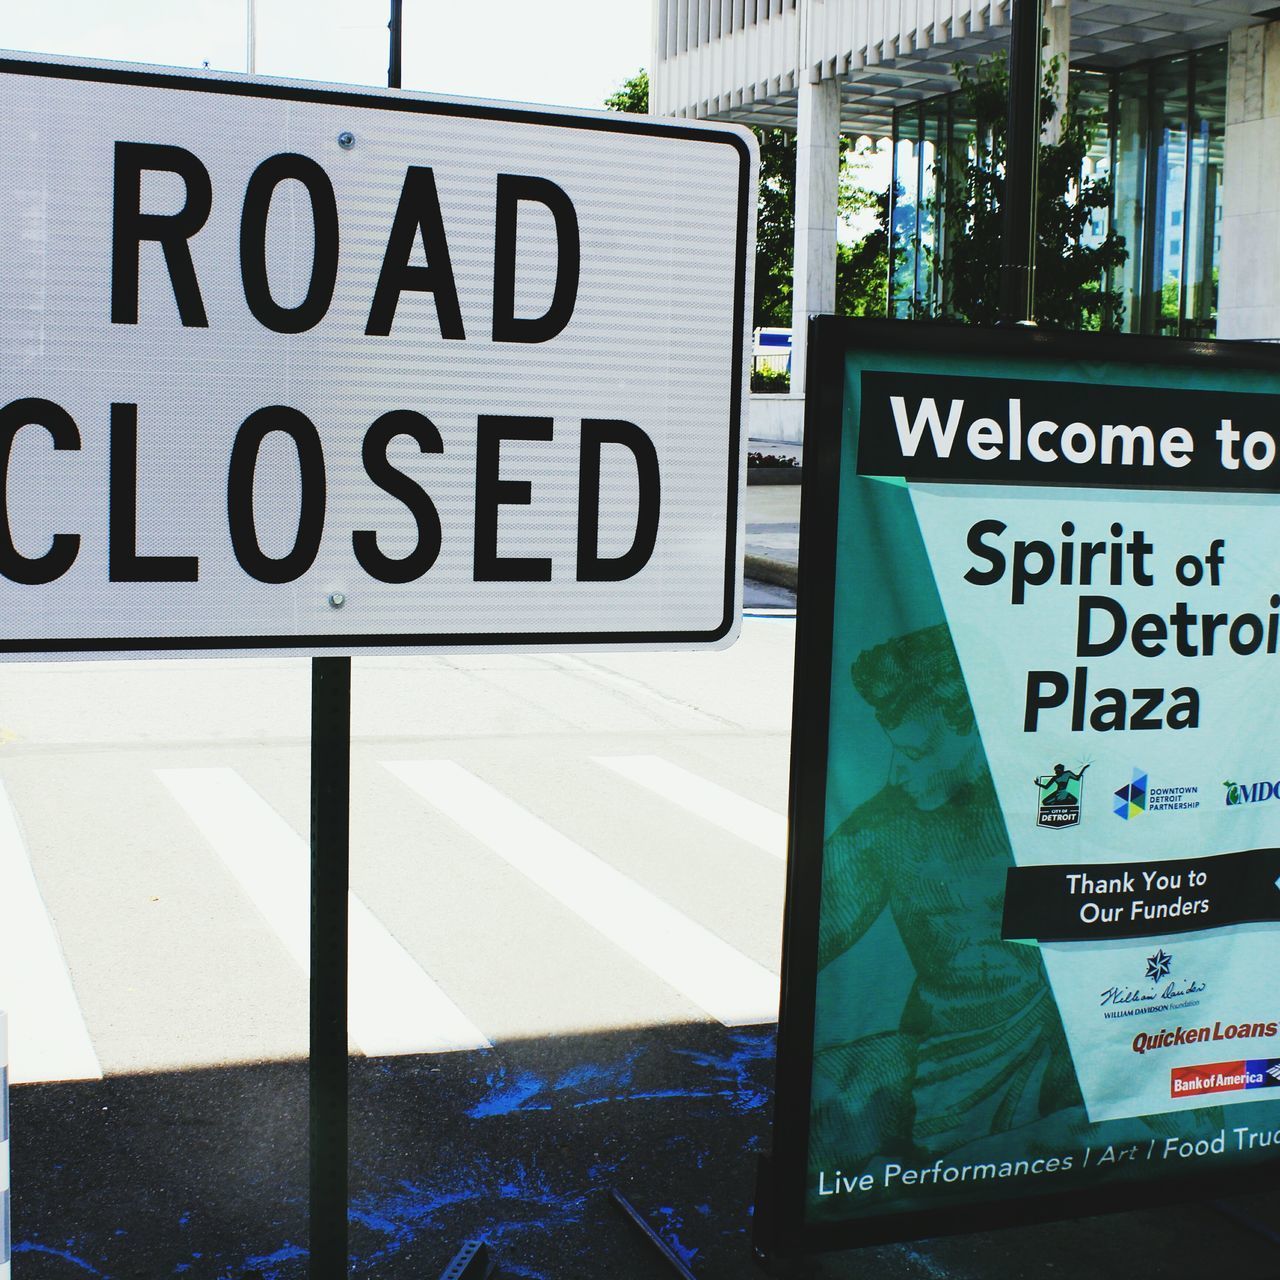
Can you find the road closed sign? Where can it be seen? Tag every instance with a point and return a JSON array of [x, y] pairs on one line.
[[305, 369]]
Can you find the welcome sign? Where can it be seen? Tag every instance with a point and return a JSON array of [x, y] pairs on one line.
[[1035, 863]]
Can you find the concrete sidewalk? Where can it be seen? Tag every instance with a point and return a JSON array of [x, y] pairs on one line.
[[773, 533]]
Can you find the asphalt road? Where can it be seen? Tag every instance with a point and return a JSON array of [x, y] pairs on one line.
[[567, 885], [567, 877]]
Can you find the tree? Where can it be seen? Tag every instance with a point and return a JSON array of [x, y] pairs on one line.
[[633, 96], [1071, 274], [775, 212], [775, 227], [862, 269], [862, 266]]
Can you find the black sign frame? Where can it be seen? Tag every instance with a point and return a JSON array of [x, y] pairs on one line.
[[780, 1230]]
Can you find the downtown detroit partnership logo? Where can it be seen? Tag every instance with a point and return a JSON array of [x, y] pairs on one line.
[[1138, 796]]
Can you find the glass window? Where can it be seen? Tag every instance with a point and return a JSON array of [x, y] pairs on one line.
[[933, 130], [1158, 143], [1204, 193], [904, 214], [1170, 93], [1129, 193]]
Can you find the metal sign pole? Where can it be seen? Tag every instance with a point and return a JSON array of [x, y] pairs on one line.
[[5, 1264], [330, 881], [396, 27], [330, 856]]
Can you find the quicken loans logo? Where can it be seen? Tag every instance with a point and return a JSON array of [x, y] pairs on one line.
[[1251, 792]]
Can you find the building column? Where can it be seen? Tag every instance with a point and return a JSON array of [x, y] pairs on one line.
[[1249, 272], [1056, 19], [813, 287]]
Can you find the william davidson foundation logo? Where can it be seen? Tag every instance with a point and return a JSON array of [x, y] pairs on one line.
[[1061, 794]]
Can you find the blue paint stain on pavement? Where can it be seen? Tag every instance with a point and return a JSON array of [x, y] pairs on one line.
[[732, 1079], [511, 1096], [737, 1069], [529, 1202], [30, 1246], [672, 1222], [528, 1169], [287, 1253]]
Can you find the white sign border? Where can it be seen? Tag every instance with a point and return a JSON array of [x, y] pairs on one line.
[[224, 83]]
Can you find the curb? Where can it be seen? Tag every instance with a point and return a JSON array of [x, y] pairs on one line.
[[777, 573], [774, 475]]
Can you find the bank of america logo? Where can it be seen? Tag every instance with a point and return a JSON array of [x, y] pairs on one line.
[[1274, 1072], [1131, 799]]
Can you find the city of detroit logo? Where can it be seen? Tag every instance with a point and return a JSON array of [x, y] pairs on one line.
[[1060, 795]]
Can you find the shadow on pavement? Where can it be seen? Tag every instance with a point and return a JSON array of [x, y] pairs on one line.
[[203, 1174]]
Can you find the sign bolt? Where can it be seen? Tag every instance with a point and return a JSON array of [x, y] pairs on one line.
[[337, 600], [346, 140]]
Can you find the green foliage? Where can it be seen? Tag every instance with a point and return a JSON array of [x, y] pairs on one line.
[[776, 381], [633, 97], [1070, 279], [775, 227], [862, 269]]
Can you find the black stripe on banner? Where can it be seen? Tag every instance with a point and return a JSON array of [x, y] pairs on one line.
[[1085, 902]]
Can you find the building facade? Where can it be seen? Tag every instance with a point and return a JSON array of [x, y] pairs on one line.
[[1187, 102]]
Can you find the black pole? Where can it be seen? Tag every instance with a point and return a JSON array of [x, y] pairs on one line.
[[1021, 165], [396, 26], [330, 859]]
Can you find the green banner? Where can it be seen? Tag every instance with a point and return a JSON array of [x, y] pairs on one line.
[[1034, 881]]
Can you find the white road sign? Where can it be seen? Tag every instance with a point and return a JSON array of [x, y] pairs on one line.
[[287, 367]]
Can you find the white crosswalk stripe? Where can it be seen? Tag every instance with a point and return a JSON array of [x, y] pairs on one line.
[[718, 805], [667, 958], [393, 1006], [48, 1039], [703, 967]]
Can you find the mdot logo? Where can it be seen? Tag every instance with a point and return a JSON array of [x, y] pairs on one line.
[[1061, 793], [1240, 793], [1138, 796]]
